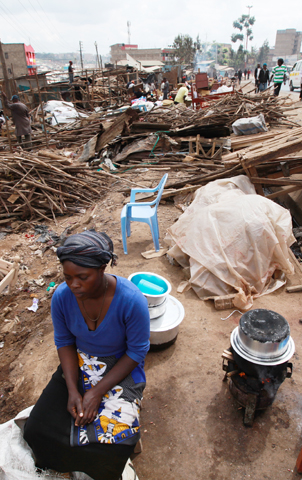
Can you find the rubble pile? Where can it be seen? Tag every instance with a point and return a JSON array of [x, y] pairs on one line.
[[197, 143], [226, 111], [44, 187]]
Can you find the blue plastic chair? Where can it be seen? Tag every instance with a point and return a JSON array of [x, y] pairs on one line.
[[145, 212]]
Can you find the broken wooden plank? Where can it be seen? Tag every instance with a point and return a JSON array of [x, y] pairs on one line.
[[294, 288]]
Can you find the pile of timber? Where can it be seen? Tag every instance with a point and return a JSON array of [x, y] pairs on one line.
[[225, 111], [271, 161], [266, 147], [45, 185]]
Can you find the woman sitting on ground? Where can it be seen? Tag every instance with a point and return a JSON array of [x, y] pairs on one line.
[[87, 418]]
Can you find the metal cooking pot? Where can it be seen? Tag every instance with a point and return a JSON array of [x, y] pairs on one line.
[[164, 329], [162, 338], [263, 337], [157, 310], [262, 349], [263, 333]]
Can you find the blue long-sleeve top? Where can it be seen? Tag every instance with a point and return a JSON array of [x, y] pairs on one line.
[[125, 328]]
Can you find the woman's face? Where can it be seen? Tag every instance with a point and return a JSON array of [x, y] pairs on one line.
[[83, 282]]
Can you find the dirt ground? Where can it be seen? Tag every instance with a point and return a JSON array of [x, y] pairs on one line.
[[192, 428]]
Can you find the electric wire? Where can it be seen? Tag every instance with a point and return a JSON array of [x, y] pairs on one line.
[[50, 21], [30, 14], [43, 22], [15, 24]]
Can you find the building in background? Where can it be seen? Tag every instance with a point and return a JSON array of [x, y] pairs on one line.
[[168, 56], [287, 46], [119, 52], [19, 58]]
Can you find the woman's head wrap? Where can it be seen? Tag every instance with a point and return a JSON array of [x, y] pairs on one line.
[[88, 249]]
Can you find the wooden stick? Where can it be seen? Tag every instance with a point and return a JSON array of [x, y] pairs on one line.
[[294, 289], [41, 106]]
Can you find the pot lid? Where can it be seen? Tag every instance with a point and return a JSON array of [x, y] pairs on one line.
[[172, 317], [286, 355], [264, 325]]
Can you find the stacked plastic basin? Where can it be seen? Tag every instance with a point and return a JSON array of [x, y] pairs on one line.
[[166, 312]]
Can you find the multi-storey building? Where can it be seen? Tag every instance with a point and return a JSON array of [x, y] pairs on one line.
[[119, 52], [288, 42], [19, 59]]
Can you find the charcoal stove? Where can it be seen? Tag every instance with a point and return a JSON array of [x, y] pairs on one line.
[[257, 362]]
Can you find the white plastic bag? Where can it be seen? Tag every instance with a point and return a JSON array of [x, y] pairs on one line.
[[16, 460], [249, 126]]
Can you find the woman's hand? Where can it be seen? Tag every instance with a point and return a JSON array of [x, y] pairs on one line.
[[91, 402], [75, 406], [89, 407]]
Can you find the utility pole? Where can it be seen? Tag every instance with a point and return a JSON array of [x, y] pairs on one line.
[[81, 56], [129, 35], [97, 55], [41, 106], [8, 93], [4, 70]]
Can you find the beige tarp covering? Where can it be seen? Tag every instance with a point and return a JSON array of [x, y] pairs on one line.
[[231, 240]]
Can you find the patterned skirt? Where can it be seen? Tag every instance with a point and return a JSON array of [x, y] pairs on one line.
[[117, 420], [100, 449]]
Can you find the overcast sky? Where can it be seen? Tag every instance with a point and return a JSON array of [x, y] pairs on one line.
[[58, 25]]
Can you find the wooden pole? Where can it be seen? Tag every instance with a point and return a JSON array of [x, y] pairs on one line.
[[118, 93], [87, 86], [109, 90], [97, 54], [81, 56], [4, 71], [41, 103], [92, 87], [7, 128], [13, 82], [32, 102], [102, 72]]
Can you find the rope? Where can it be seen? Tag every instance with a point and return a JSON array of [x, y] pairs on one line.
[[158, 136]]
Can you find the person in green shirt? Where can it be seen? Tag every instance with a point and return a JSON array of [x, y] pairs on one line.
[[279, 74]]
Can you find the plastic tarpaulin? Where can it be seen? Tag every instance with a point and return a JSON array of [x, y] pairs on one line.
[[232, 240], [62, 112], [250, 125], [16, 460]]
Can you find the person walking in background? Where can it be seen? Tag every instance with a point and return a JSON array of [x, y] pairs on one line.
[[256, 75], [279, 74], [239, 76], [263, 78], [165, 88], [70, 71], [248, 74], [21, 119], [245, 73]]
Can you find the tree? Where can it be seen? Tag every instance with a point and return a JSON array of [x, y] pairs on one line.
[[185, 48], [262, 56], [236, 60], [197, 44], [243, 23]]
